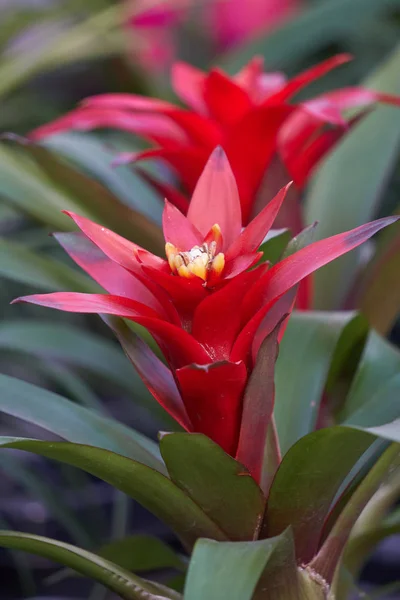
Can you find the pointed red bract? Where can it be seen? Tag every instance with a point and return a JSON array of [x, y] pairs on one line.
[[217, 181]]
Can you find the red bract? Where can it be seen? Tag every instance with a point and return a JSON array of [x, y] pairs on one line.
[[206, 310], [252, 115]]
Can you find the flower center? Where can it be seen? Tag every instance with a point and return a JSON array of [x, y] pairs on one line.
[[201, 261]]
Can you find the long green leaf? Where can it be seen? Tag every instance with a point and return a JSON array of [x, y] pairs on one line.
[[321, 337], [346, 189], [70, 345], [373, 382], [91, 154], [221, 486], [150, 488], [23, 265], [73, 422], [116, 579], [91, 199], [136, 553]]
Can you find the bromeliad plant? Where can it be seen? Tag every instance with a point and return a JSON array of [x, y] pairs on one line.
[[277, 516]]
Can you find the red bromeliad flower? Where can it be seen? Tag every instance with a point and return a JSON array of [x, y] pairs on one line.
[[252, 115], [206, 310]]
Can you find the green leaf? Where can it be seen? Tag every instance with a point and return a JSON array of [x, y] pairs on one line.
[[220, 485], [142, 553], [301, 240], [233, 569], [116, 579], [26, 187], [149, 487], [325, 339], [91, 154], [318, 25], [274, 245], [346, 189], [307, 481], [136, 553], [73, 422], [69, 344], [91, 199], [326, 561], [21, 264], [375, 384]]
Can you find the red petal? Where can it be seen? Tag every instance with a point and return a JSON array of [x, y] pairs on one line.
[[213, 398], [113, 278], [295, 84], [253, 235], [300, 165], [156, 376], [178, 346], [239, 264], [250, 147], [351, 97], [127, 102], [179, 230], [184, 293], [249, 76], [155, 127], [166, 191], [217, 319], [187, 82], [91, 303], [113, 245], [226, 100], [216, 199], [287, 273], [200, 130], [260, 326]]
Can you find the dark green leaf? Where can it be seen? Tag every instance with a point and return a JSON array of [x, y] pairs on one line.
[[116, 579], [221, 486], [326, 561], [73, 422], [149, 487], [307, 481], [141, 553]]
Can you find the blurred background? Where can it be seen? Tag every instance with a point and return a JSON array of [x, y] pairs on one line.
[[54, 53]]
